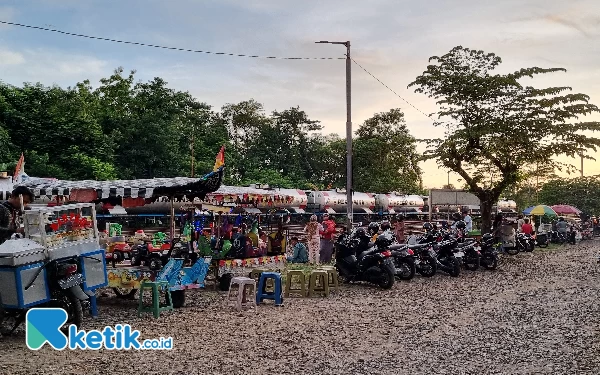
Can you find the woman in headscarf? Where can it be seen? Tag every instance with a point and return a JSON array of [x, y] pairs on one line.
[[312, 230]]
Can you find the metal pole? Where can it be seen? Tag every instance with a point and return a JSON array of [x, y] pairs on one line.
[[192, 152], [349, 135], [448, 179]]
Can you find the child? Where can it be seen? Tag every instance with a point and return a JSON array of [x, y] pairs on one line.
[[300, 253]]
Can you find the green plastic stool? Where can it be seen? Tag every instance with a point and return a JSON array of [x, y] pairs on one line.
[[156, 308]]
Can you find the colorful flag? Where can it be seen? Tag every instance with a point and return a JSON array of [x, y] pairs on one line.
[[19, 169], [220, 161]]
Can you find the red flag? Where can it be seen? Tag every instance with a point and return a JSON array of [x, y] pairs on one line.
[[19, 168]]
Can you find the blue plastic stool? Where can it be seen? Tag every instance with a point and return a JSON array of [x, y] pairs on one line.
[[276, 295]]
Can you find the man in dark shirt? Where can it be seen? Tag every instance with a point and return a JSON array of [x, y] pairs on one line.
[[10, 211]]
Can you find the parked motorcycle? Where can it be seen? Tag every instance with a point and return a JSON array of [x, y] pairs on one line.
[[424, 259], [404, 261], [64, 283], [357, 259], [446, 257], [525, 242], [489, 251]]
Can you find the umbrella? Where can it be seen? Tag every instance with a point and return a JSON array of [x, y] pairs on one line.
[[542, 210], [527, 211], [565, 209]]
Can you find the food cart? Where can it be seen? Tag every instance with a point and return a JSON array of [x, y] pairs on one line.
[[51, 234]]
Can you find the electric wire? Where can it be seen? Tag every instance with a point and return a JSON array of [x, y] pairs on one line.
[[165, 47], [387, 87]]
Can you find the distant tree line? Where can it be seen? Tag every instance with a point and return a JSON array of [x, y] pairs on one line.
[[123, 129]]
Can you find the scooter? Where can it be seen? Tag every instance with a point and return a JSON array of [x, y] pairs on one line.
[[373, 264]]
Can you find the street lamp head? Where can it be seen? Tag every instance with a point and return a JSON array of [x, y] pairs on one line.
[[322, 41]]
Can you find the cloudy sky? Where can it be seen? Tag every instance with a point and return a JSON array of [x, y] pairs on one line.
[[391, 38]]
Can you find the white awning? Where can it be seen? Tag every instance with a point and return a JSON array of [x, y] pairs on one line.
[[252, 210], [298, 210], [330, 211], [117, 210]]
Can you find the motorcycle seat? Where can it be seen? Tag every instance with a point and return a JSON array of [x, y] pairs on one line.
[[370, 250], [418, 246]]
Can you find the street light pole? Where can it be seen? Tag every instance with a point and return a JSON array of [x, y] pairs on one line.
[[349, 206]]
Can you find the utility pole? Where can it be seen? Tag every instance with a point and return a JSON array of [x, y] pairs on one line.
[[192, 148], [448, 179], [581, 165], [348, 131]]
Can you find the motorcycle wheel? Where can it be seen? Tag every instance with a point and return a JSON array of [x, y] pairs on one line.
[[489, 262], [512, 250], [427, 267], [386, 280], [405, 269], [454, 266], [530, 247], [472, 263], [72, 306]]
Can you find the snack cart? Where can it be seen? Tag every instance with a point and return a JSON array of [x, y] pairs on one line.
[[52, 235]]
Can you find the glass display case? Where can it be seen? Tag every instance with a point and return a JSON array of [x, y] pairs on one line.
[[65, 230]]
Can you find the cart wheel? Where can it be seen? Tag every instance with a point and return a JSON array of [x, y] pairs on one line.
[[224, 281], [178, 297], [125, 293]]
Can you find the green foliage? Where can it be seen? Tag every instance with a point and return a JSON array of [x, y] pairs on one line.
[[125, 129], [581, 192], [384, 148], [496, 125]]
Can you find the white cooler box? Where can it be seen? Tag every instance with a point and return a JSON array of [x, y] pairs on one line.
[[13, 281]]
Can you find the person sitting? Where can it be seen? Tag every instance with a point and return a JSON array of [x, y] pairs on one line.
[[300, 253], [527, 228]]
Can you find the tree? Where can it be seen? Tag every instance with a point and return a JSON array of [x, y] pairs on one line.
[[384, 148], [581, 192], [495, 124]]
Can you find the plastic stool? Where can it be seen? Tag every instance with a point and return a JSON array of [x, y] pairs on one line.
[[245, 285], [332, 277], [323, 277], [262, 294], [288, 283], [156, 308]]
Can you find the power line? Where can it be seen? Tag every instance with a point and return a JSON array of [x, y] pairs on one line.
[[387, 87], [166, 47]]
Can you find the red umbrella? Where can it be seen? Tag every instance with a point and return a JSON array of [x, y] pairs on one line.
[[565, 209]]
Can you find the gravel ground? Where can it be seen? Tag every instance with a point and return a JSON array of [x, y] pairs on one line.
[[537, 314]]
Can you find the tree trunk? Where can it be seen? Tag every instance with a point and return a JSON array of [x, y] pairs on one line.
[[486, 215]]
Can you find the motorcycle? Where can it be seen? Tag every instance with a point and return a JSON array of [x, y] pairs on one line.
[[469, 256], [489, 252], [446, 256], [373, 264], [404, 261], [424, 259], [525, 242], [64, 284]]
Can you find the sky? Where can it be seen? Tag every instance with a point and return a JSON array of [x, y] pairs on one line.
[[393, 39]]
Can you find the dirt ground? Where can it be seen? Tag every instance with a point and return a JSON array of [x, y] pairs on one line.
[[537, 314]]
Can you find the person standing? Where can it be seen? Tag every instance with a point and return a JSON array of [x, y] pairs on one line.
[[527, 228], [327, 232], [10, 211], [399, 229], [312, 230], [468, 221]]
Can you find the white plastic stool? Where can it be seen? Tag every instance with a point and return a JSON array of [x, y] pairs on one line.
[[245, 285]]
